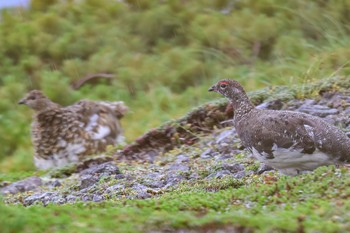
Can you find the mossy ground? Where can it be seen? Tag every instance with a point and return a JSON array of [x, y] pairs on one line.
[[164, 55], [315, 202]]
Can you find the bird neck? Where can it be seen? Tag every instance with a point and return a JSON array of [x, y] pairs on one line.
[[241, 105], [46, 105]]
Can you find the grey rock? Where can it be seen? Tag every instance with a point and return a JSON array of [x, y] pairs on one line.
[[114, 188], [273, 105], [86, 197], [239, 175], [173, 179], [207, 154], [194, 176], [347, 111], [233, 168], [226, 134], [97, 198], [348, 134], [119, 176], [292, 105], [335, 100], [223, 157], [330, 119], [153, 183], [182, 158], [141, 191], [339, 120], [71, 198], [318, 110], [52, 184], [93, 174], [105, 169], [57, 199], [88, 180], [179, 168], [25, 185], [154, 180], [220, 174], [43, 198]]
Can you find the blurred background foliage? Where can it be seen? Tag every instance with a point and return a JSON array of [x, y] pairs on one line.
[[162, 54]]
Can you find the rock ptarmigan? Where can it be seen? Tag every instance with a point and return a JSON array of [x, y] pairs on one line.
[[291, 142], [61, 135]]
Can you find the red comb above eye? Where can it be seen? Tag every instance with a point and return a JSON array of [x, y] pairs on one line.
[[223, 82]]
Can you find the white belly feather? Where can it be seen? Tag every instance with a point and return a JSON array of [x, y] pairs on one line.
[[293, 162]]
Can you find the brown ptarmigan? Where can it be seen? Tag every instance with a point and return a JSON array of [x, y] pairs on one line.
[[61, 135], [291, 142]]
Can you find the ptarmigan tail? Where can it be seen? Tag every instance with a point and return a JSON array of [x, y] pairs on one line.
[[101, 120], [118, 107]]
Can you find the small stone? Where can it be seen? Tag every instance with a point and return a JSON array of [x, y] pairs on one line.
[[153, 183], [182, 158], [347, 111], [86, 197], [97, 198], [52, 184], [223, 157], [207, 154], [25, 185], [233, 168], [179, 168], [141, 191], [226, 134], [71, 198], [173, 179], [309, 102], [88, 180], [57, 200], [348, 134], [239, 175], [38, 197], [114, 188], [119, 176], [220, 174], [106, 169]]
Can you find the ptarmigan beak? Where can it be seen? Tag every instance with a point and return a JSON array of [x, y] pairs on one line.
[[212, 88], [22, 101]]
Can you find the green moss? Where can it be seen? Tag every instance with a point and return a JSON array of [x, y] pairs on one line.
[[63, 172], [313, 202]]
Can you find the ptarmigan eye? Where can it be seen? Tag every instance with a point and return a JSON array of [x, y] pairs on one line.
[[223, 86]]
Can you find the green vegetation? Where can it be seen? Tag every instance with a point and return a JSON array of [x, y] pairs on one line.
[[317, 202], [163, 56]]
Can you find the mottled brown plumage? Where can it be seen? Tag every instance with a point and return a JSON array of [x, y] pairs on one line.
[[291, 142], [61, 135]]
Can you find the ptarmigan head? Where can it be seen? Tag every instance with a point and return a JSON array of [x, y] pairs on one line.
[[37, 101], [229, 88]]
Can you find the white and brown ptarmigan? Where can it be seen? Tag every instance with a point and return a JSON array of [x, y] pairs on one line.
[[291, 142], [61, 135]]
